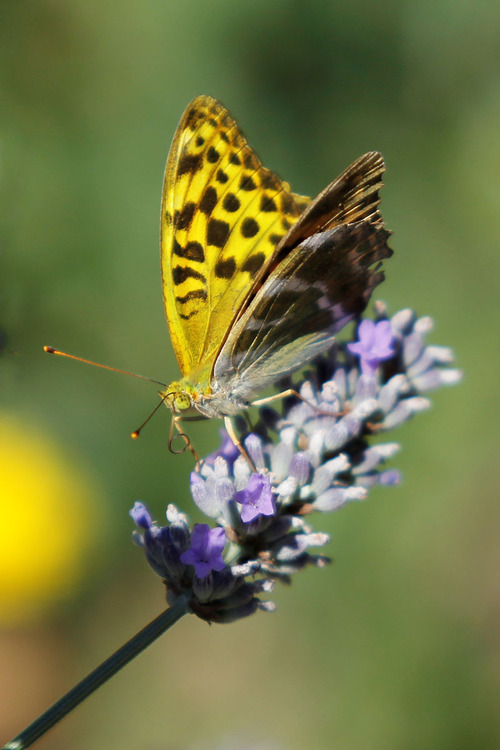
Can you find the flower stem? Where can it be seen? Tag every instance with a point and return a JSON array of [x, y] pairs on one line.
[[95, 679]]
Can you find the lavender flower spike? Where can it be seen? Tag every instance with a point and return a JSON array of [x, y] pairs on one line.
[[315, 455]]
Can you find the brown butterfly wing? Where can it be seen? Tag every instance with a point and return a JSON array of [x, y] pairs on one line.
[[322, 284], [353, 196]]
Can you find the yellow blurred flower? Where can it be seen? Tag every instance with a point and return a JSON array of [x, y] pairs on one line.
[[49, 516]]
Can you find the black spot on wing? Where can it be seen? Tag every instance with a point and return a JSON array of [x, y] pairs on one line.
[[209, 200], [221, 177], [189, 163], [192, 251], [194, 294], [288, 204], [184, 218], [225, 269], [217, 232], [247, 183], [181, 274], [249, 227], [191, 117], [235, 159], [253, 263], [267, 204], [231, 203], [213, 155]]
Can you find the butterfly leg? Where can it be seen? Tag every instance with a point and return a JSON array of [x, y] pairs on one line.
[[176, 425], [292, 392], [278, 396], [234, 437]]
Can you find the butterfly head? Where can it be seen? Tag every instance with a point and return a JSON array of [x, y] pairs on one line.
[[179, 398]]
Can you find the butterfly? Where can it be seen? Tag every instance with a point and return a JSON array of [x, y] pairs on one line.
[[257, 280]]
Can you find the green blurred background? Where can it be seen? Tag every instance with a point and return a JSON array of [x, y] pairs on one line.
[[398, 644]]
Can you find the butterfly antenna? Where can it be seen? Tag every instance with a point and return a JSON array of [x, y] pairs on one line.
[[135, 434], [51, 350]]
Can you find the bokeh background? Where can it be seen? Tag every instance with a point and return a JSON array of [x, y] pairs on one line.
[[398, 644]]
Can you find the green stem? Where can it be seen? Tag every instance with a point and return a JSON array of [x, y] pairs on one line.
[[95, 679]]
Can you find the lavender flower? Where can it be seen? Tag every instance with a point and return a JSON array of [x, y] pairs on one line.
[[256, 498], [205, 552], [374, 345], [312, 454]]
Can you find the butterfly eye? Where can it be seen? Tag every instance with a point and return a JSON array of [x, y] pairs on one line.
[[182, 401]]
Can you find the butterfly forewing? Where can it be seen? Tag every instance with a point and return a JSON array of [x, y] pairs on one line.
[[353, 196], [320, 286], [223, 214]]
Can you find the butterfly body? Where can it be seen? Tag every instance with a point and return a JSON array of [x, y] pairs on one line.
[[257, 280]]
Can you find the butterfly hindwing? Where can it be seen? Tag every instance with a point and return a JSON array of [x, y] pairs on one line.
[[322, 284], [223, 214]]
